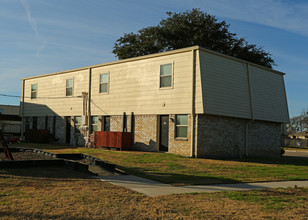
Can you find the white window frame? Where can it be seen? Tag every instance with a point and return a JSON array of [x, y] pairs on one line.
[[34, 92], [176, 126], [100, 83], [92, 124], [172, 75], [69, 87]]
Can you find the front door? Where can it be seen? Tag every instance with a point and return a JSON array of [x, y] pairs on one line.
[[164, 133], [68, 130]]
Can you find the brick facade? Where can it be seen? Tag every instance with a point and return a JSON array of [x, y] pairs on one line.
[[225, 137], [116, 123], [215, 136], [145, 133], [60, 130], [264, 139], [181, 146]]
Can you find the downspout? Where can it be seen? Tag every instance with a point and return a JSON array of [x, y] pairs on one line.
[[22, 129], [192, 153], [89, 102]]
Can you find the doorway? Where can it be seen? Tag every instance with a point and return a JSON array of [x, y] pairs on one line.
[[164, 132], [67, 130]]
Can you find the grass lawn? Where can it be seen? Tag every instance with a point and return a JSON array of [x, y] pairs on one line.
[[178, 170], [51, 193]]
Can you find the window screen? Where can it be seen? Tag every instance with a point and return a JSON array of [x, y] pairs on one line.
[[165, 75], [33, 91], [181, 126], [103, 83], [69, 87]]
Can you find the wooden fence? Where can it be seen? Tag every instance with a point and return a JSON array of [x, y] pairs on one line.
[[296, 143], [121, 140]]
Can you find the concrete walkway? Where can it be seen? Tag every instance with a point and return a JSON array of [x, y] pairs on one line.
[[296, 153], [153, 188]]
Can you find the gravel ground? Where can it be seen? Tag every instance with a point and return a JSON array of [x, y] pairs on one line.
[[26, 156]]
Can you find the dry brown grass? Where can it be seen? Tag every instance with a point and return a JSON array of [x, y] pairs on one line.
[[34, 194]]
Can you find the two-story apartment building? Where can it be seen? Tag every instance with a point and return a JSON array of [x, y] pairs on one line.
[[191, 101]]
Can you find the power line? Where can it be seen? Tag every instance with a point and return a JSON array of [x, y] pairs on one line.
[[64, 97]]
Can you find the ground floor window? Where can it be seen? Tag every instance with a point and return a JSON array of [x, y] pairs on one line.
[[181, 126], [77, 121], [94, 123]]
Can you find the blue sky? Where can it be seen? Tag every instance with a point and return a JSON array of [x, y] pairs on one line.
[[44, 36]]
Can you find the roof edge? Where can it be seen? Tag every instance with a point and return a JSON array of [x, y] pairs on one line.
[[241, 60], [187, 49]]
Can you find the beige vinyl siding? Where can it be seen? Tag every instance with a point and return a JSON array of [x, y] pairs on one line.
[[268, 95], [52, 86], [134, 87], [221, 88], [198, 88], [224, 86]]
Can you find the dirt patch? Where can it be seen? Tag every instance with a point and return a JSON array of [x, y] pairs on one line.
[[27, 156]]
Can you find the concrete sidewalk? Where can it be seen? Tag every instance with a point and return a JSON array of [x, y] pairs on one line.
[[153, 188]]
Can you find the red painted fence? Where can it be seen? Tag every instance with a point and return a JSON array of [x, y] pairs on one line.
[[121, 140]]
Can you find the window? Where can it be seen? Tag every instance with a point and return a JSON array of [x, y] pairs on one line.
[[94, 123], [181, 126], [165, 75], [103, 83], [33, 91], [77, 124], [69, 87]]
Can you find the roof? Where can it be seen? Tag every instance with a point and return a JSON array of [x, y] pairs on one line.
[[9, 109], [302, 133], [156, 55]]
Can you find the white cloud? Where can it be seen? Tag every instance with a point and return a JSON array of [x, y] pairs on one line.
[[32, 22]]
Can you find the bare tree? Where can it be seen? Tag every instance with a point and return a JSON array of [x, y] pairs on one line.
[[298, 123]]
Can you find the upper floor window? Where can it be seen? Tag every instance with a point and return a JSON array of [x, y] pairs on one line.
[[103, 83], [69, 87], [33, 91], [165, 75], [181, 126]]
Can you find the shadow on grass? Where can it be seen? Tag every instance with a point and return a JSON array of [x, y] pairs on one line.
[[284, 160], [44, 172], [175, 178]]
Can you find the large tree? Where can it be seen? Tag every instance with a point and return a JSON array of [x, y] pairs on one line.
[[186, 29]]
